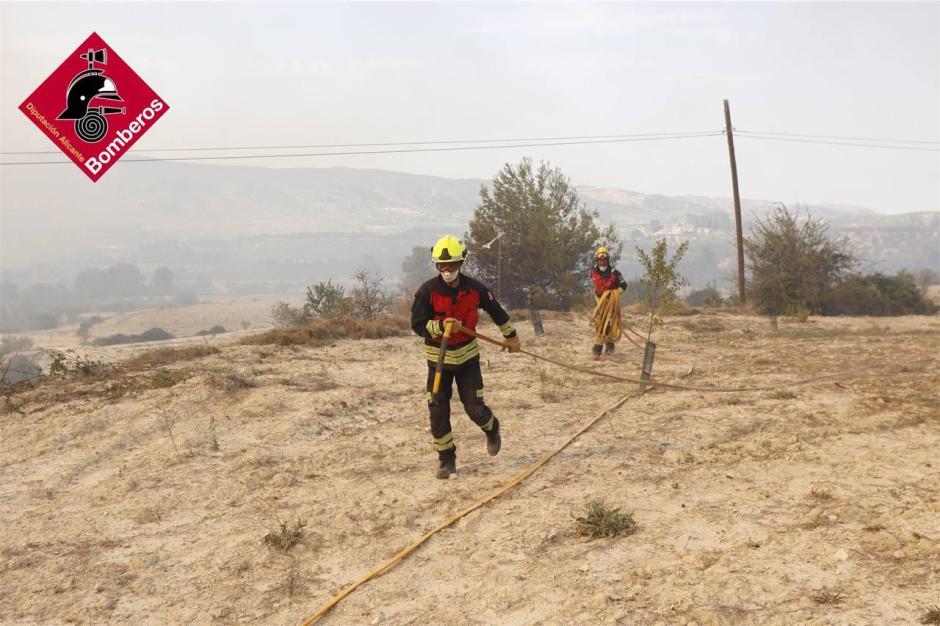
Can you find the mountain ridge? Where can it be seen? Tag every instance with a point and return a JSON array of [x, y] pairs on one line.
[[204, 206]]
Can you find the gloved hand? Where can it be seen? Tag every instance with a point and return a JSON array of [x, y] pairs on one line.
[[513, 344], [436, 327], [619, 291], [455, 325]]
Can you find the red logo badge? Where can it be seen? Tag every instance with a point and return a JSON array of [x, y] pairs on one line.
[[94, 107]]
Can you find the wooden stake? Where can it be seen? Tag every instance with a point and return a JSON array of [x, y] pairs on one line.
[[648, 355]]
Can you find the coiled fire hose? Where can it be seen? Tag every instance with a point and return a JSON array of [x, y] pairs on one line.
[[606, 318]]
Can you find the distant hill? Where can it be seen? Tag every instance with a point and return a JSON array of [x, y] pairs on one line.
[[243, 227]]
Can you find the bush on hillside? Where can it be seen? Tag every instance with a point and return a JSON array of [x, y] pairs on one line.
[[877, 294], [153, 334]]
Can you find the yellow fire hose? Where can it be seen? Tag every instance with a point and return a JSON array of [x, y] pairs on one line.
[[515, 480], [659, 383], [606, 318], [609, 326]]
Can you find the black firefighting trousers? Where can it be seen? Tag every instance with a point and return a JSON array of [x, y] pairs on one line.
[[470, 388]]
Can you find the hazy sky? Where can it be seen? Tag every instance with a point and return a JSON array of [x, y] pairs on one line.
[[307, 73]]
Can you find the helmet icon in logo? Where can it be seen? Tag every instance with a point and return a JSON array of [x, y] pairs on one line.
[[89, 85]]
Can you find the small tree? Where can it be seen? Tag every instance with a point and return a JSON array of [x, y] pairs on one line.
[[793, 263], [326, 300], [367, 299], [709, 296], [285, 316], [661, 280], [544, 231]]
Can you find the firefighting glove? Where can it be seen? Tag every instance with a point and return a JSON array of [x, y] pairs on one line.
[[435, 328], [455, 326], [513, 344]]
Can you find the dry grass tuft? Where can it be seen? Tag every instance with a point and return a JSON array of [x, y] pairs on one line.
[[703, 325], [602, 521], [162, 378], [287, 537], [229, 381], [822, 495], [162, 357], [827, 596], [325, 331], [931, 615], [781, 394]]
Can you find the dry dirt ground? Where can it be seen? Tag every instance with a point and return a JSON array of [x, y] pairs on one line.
[[818, 504]]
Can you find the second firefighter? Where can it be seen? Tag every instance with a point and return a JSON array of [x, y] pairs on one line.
[[605, 278]]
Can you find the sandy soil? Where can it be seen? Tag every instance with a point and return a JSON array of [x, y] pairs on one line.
[[151, 507]]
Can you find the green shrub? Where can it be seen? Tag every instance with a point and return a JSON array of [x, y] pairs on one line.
[[601, 521], [286, 316], [218, 329], [707, 297], [153, 334], [163, 378], [877, 294], [71, 363], [112, 340], [326, 300], [286, 538], [793, 262]]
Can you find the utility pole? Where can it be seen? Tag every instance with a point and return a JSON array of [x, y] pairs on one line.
[[499, 265], [737, 206]]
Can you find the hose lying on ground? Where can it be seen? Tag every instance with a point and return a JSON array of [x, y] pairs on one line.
[[515, 480], [529, 470]]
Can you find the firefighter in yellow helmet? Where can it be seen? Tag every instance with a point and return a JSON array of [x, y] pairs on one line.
[[605, 278], [455, 297]]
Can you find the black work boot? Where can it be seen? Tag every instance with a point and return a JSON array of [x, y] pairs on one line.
[[609, 347], [447, 468], [597, 351], [493, 441]]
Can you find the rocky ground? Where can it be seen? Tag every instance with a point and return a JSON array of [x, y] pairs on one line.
[[145, 497]]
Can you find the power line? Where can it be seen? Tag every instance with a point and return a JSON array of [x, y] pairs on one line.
[[751, 135], [665, 134], [842, 137], [395, 143], [399, 151]]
